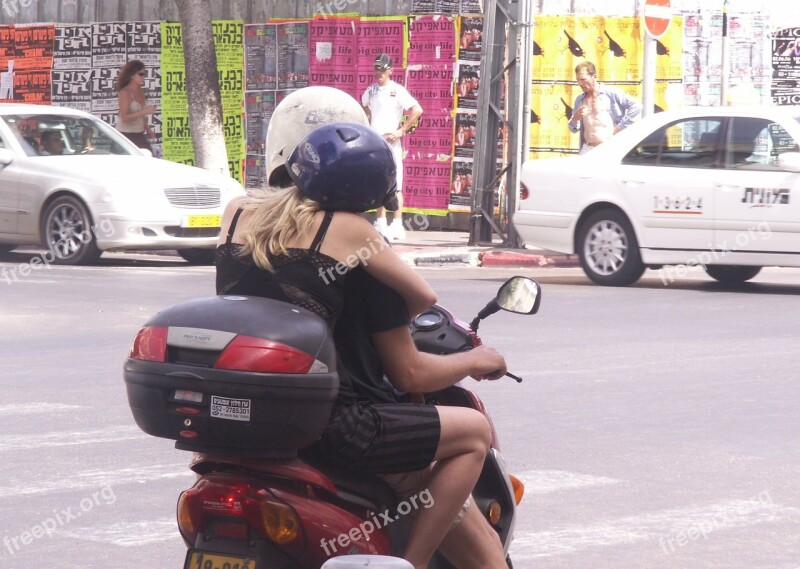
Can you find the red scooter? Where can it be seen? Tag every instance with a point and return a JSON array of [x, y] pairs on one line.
[[249, 381]]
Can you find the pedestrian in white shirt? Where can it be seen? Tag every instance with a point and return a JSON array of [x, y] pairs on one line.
[[392, 112]]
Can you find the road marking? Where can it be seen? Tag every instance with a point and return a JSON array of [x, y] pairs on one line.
[[70, 438], [129, 534], [30, 408], [93, 479], [549, 481], [666, 528]]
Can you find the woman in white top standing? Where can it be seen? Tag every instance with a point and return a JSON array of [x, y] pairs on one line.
[[133, 107]]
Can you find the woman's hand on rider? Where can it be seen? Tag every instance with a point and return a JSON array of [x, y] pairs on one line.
[[489, 363]]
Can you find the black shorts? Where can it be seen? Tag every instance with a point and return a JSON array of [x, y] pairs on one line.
[[381, 438]]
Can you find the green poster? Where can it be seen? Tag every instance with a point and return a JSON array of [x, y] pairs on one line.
[[229, 47]]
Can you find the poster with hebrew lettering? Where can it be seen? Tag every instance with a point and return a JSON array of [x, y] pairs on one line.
[[333, 54], [72, 46]]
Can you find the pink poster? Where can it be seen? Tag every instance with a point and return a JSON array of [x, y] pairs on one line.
[[427, 186], [333, 54], [431, 39]]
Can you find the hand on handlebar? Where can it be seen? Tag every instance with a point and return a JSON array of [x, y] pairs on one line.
[[489, 363]]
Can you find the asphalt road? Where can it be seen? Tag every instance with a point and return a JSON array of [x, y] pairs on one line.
[[656, 427]]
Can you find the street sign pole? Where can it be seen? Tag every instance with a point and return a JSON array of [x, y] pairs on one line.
[[656, 17]]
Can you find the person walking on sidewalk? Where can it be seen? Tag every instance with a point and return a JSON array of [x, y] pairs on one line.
[[385, 103], [600, 111]]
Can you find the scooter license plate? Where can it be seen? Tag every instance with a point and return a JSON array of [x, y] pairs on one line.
[[204, 560]]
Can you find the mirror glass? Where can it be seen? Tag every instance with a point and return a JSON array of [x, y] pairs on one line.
[[520, 295]]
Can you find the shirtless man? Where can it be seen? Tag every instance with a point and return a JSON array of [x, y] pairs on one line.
[[600, 111]]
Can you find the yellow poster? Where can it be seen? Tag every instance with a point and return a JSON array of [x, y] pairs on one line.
[[228, 42]]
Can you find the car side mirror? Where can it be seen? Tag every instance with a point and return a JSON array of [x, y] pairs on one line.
[[789, 161], [521, 295], [6, 156]]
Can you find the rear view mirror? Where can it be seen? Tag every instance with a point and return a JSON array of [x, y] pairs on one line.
[[789, 161], [521, 295], [6, 157]]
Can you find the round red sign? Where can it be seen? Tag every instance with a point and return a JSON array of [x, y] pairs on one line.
[[657, 15]]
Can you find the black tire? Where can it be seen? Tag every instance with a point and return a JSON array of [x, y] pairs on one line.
[[67, 232], [197, 256], [732, 274], [5, 250], [608, 249]]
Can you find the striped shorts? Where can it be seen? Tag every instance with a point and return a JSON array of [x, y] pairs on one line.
[[383, 438]]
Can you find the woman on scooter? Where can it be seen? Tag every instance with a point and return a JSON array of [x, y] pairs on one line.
[[285, 244]]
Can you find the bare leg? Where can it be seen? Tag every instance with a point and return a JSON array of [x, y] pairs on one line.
[[463, 444], [473, 544]]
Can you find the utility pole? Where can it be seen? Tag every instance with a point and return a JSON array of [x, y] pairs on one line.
[[506, 36]]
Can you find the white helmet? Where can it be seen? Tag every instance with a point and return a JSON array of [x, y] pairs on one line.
[[298, 114]]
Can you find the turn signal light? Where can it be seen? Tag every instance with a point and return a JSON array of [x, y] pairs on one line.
[[280, 522], [185, 522], [150, 344], [519, 488], [493, 512]]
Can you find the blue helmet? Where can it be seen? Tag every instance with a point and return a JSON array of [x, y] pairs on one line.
[[344, 166]]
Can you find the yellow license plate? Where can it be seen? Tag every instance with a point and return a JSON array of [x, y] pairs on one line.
[[202, 221], [204, 560]]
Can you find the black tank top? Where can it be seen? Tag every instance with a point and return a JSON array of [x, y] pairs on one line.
[[304, 277]]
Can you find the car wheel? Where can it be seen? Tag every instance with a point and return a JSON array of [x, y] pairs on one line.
[[67, 232], [198, 256], [608, 249], [732, 274]]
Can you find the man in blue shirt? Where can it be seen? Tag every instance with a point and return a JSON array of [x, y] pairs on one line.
[[600, 111]]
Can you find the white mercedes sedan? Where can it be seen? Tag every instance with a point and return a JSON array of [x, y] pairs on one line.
[[72, 184], [717, 187]]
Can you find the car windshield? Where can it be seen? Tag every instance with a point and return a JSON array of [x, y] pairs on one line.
[[54, 134]]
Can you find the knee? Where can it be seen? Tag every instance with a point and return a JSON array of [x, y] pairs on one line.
[[481, 431]]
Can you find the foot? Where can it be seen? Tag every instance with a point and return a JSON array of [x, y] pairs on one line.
[[381, 227], [396, 231]]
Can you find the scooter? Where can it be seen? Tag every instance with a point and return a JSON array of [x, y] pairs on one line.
[[247, 382]]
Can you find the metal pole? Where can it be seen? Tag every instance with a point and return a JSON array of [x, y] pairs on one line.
[[648, 67], [725, 67], [523, 142]]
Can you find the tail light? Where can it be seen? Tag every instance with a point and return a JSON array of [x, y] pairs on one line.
[[524, 193], [245, 353], [226, 506], [519, 488], [150, 344]]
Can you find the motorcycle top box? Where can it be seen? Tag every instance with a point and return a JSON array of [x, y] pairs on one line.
[[233, 374]]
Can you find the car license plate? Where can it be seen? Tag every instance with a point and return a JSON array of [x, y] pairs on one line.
[[202, 221], [205, 560]]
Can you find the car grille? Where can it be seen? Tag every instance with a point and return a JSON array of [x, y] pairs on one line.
[[176, 231], [198, 196]]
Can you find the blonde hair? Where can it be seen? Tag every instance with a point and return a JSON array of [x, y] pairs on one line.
[[277, 216]]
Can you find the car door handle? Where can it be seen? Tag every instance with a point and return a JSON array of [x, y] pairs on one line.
[[633, 183]]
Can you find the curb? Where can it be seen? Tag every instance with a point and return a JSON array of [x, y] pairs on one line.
[[496, 259], [515, 259]]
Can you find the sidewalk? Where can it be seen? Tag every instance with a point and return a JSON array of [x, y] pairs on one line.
[[436, 248]]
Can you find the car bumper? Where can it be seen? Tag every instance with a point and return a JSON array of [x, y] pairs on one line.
[[113, 232], [548, 230]]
